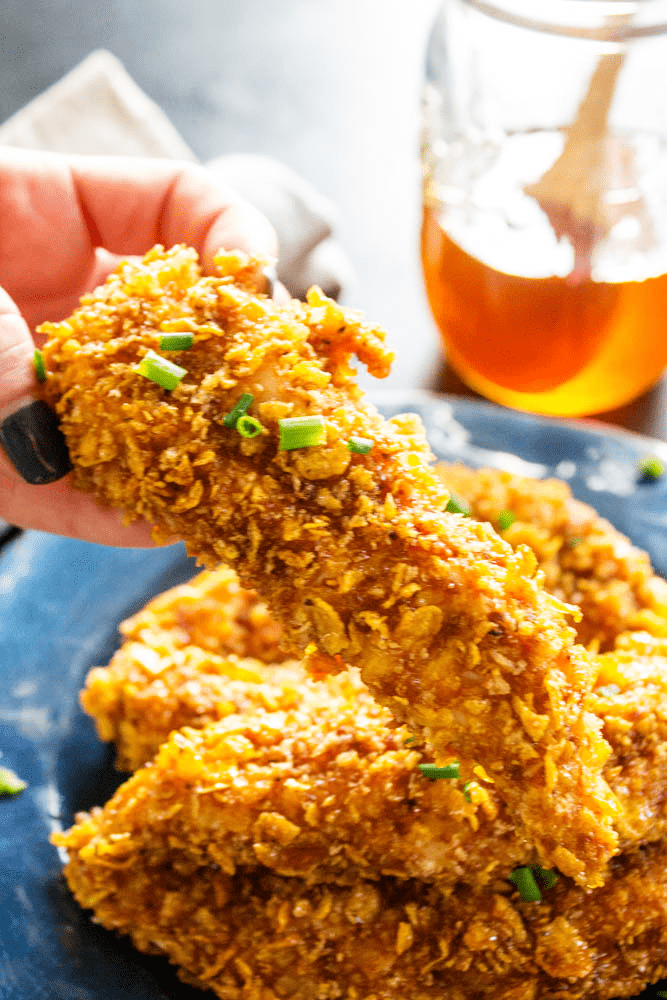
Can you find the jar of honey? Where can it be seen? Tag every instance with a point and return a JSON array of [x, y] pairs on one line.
[[544, 235]]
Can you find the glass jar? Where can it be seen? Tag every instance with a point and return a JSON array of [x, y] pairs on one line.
[[544, 235]]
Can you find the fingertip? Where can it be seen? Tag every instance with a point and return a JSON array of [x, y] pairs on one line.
[[240, 227]]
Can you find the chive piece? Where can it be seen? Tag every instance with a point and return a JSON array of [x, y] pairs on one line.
[[652, 468], [524, 880], [248, 427], [301, 432], [608, 691], [176, 341], [410, 739], [547, 876], [360, 446], [10, 783], [573, 542], [158, 369], [506, 519], [466, 791], [40, 370], [433, 772], [457, 506], [238, 410]]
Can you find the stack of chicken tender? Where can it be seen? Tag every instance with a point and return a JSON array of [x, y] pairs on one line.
[[278, 838]]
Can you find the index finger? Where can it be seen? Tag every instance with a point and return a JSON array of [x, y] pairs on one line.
[[57, 213]]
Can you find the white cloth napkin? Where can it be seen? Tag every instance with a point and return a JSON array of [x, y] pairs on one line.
[[97, 108]]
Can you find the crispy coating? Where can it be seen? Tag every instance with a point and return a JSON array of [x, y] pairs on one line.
[[252, 935], [586, 561], [355, 554], [212, 612], [370, 811], [309, 778]]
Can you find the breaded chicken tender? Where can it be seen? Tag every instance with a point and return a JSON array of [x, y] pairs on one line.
[[585, 560], [353, 552], [362, 805], [308, 779], [215, 613], [248, 934]]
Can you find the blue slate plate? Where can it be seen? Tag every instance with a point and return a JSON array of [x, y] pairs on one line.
[[61, 602]]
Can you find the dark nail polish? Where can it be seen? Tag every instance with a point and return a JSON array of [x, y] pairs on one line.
[[35, 444]]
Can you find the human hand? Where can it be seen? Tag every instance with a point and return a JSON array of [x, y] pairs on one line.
[[65, 224]]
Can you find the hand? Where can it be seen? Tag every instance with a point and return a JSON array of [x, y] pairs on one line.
[[65, 223]]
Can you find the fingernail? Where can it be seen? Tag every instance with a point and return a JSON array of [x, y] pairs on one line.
[[35, 444], [271, 275]]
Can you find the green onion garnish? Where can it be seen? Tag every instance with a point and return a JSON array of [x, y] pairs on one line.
[[239, 409], [457, 506], [40, 370], [609, 690], [360, 446], [410, 739], [524, 880], [432, 771], [301, 432], [176, 341], [547, 876], [466, 791], [248, 427], [10, 783], [652, 468], [506, 519], [573, 542], [158, 369]]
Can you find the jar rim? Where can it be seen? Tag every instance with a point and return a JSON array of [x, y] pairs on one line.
[[613, 21]]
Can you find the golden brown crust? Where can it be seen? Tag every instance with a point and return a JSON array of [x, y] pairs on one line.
[[586, 561], [354, 553], [252, 935], [369, 812]]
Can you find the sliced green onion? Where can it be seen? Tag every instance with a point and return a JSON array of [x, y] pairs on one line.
[[609, 690], [524, 880], [158, 369], [573, 542], [506, 519], [433, 772], [410, 739], [360, 446], [301, 432], [40, 370], [457, 506], [239, 409], [652, 468], [248, 427], [547, 876], [10, 783], [466, 791], [176, 341]]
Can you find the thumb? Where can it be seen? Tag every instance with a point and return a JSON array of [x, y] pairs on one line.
[[34, 447]]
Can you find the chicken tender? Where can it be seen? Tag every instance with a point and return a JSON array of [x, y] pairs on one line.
[[366, 812], [252, 935], [355, 553], [585, 560], [318, 785], [213, 612]]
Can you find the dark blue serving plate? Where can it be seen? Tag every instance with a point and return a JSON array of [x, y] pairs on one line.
[[61, 602]]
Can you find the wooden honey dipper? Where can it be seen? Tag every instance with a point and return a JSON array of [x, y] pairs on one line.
[[572, 191]]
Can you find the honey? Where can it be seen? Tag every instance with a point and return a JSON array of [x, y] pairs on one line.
[[545, 344]]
